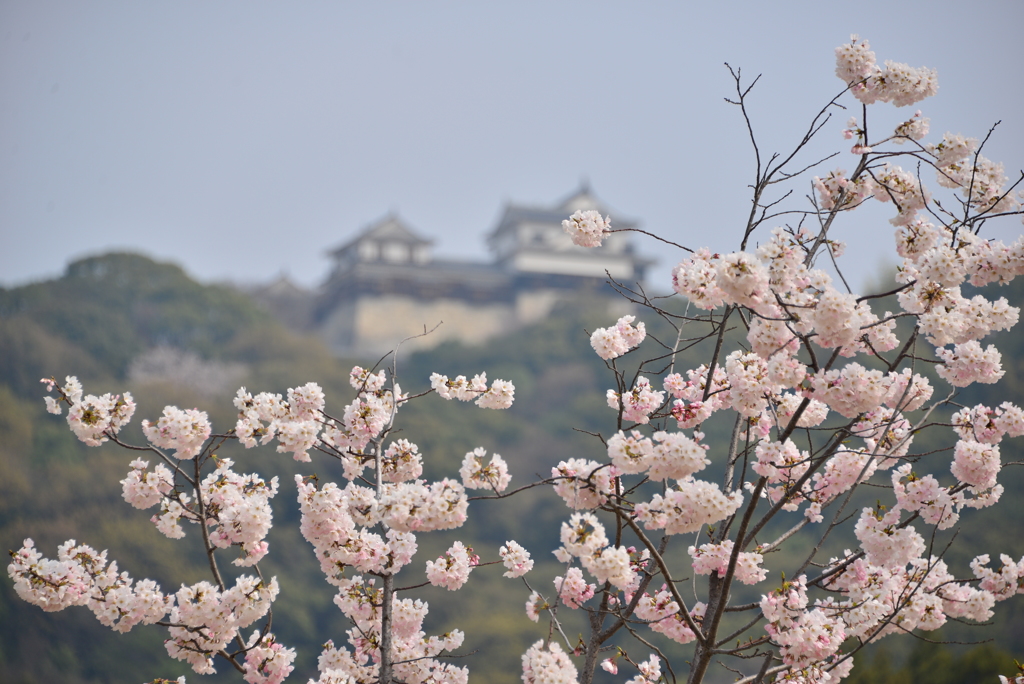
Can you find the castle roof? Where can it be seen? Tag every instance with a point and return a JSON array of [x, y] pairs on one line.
[[582, 199], [386, 285], [391, 228]]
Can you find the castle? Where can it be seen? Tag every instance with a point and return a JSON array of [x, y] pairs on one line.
[[386, 286]]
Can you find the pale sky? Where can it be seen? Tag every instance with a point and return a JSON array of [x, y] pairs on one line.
[[245, 139]]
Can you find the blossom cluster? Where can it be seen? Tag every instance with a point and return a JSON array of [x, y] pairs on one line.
[[587, 228], [184, 431], [452, 570], [238, 511], [413, 653], [807, 638], [235, 508], [81, 576], [897, 83], [665, 617], [499, 396], [547, 664], [687, 507], [296, 422], [476, 475], [584, 537], [675, 456], [93, 419], [516, 559], [716, 558], [638, 404], [205, 619], [266, 661], [583, 484], [611, 343], [335, 521]]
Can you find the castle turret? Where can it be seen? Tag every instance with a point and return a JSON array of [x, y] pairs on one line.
[[386, 287], [531, 240]]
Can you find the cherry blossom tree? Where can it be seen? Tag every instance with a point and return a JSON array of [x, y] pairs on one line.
[[823, 394], [363, 534]]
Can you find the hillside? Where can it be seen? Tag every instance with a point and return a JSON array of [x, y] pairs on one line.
[[124, 322]]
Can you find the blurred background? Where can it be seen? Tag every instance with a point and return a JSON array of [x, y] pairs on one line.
[[186, 189], [244, 140]]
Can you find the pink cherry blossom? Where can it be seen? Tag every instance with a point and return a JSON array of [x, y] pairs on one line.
[[516, 559], [547, 664], [587, 228]]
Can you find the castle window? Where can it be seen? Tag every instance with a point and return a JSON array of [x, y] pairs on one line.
[[368, 251], [395, 252]]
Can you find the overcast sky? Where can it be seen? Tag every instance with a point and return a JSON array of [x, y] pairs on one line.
[[245, 139]]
